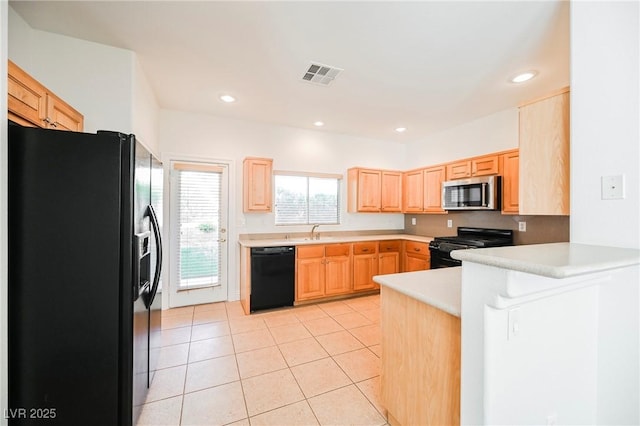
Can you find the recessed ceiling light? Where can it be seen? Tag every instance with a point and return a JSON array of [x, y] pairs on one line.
[[318, 123], [525, 76], [400, 129], [227, 98]]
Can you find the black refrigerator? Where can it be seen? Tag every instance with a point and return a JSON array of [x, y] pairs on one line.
[[85, 257]]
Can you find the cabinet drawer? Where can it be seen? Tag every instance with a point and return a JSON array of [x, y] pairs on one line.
[[485, 166], [459, 170], [389, 246], [365, 248], [308, 252], [417, 247], [337, 250]]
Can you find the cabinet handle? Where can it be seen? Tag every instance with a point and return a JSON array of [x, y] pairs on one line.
[[416, 249], [365, 249]]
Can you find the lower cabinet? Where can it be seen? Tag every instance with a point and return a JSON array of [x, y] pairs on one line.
[[327, 270], [323, 270], [413, 391], [389, 257], [365, 265], [416, 256]]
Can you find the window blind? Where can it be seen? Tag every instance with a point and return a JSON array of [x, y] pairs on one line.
[[303, 200], [199, 214]]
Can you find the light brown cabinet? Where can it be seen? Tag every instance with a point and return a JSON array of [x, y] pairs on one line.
[[389, 257], [323, 271], [391, 192], [478, 166], [413, 191], [416, 256], [365, 265], [433, 178], [32, 104], [374, 191], [422, 190], [415, 392], [544, 156], [510, 164], [257, 183]]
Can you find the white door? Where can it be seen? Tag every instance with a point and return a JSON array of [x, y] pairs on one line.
[[199, 246]]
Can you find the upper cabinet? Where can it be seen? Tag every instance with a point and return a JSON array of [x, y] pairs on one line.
[[257, 178], [31, 104], [433, 178], [544, 156], [478, 166], [370, 190], [510, 166], [422, 191]]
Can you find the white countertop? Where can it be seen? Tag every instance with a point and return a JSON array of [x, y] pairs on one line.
[[439, 288], [556, 260], [331, 240]]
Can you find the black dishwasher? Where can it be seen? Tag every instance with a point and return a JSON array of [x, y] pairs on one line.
[[272, 277]]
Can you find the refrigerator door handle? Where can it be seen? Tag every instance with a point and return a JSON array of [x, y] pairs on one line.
[[156, 232]]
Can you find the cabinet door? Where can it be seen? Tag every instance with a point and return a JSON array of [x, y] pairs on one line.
[[369, 185], [365, 266], [416, 262], [389, 263], [337, 275], [544, 156], [413, 191], [257, 184], [61, 116], [459, 170], [433, 178], [485, 166], [310, 278], [26, 99], [391, 192], [510, 182]]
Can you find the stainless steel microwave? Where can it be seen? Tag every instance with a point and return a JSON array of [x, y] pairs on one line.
[[481, 193]]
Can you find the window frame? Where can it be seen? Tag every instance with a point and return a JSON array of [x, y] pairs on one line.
[[309, 175]]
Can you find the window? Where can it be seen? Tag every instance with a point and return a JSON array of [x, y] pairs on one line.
[[307, 199]]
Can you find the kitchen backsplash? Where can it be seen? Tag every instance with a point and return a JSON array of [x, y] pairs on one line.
[[540, 229]]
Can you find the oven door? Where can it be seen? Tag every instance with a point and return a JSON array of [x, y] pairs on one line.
[[442, 259]]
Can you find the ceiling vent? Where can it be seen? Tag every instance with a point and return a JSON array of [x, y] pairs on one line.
[[321, 74]]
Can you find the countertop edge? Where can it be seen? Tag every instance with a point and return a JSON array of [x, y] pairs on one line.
[[587, 259], [333, 240], [417, 285]]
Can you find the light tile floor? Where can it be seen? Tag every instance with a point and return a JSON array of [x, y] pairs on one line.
[[307, 365]]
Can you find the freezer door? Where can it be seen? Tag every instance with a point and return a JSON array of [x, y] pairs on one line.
[[155, 307]]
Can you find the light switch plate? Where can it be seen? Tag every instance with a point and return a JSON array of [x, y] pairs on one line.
[[613, 187]]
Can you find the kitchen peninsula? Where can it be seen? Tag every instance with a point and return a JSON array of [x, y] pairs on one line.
[[420, 332], [551, 334]]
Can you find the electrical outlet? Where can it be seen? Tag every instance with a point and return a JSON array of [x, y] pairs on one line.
[[449, 223], [522, 226], [612, 187], [413, 221]]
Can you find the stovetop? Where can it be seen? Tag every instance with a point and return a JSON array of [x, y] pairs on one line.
[[474, 238]]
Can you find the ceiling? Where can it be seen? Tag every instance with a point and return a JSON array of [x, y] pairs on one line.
[[426, 66]]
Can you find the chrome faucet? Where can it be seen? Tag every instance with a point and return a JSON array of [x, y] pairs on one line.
[[315, 236]]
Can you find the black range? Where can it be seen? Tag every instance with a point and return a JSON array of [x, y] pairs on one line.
[[467, 238]]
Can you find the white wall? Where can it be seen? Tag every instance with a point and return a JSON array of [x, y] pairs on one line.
[[144, 110], [605, 117], [493, 133], [95, 79], [3, 213]]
